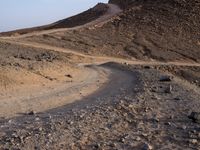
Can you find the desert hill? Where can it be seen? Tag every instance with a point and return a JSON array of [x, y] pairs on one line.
[[77, 20], [151, 29]]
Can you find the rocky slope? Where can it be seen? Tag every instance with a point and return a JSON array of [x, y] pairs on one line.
[[142, 113], [159, 30]]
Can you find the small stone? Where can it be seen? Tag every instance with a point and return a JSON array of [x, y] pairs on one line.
[[122, 140], [198, 135], [177, 99], [156, 120], [14, 135], [113, 145], [184, 127], [131, 106], [157, 97], [138, 138], [144, 134], [97, 146], [147, 147], [193, 141], [125, 114], [193, 131], [82, 116], [168, 123], [147, 67], [195, 117], [71, 122], [165, 79], [69, 76], [9, 121], [168, 89], [37, 119], [126, 63], [32, 113], [121, 102]]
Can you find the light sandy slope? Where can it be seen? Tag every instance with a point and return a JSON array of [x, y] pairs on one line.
[[53, 96]]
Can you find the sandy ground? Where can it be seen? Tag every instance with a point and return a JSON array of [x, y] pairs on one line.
[[40, 98]]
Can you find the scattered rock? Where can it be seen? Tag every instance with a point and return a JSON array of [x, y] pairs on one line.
[[193, 141], [122, 140], [69, 76], [147, 147], [168, 89], [47, 56], [195, 116], [198, 135], [126, 63], [144, 135], [156, 120], [9, 121], [184, 127], [177, 99], [97, 146], [168, 123], [165, 79], [32, 113], [147, 67], [40, 129], [138, 138], [70, 122], [37, 119], [171, 117]]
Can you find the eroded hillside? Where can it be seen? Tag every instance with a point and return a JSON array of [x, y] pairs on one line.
[[159, 30]]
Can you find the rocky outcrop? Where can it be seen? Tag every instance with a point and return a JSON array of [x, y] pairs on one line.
[[122, 3], [182, 3]]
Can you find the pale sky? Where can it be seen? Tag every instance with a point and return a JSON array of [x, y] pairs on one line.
[[16, 14]]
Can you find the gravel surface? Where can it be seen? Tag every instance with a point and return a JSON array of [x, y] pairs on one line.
[[145, 114]]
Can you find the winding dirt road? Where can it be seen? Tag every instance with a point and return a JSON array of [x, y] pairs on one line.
[[44, 98]]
